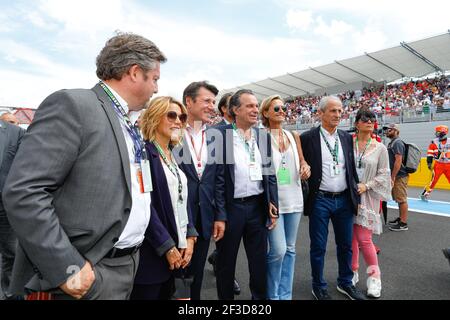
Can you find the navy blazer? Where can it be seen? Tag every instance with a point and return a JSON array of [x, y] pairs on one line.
[[205, 195], [313, 155], [269, 178], [161, 233]]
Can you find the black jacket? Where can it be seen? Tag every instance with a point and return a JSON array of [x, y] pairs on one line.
[[313, 156]]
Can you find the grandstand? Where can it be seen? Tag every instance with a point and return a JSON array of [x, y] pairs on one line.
[[403, 84]]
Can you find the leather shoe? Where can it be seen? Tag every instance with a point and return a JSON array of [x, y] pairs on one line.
[[236, 287]]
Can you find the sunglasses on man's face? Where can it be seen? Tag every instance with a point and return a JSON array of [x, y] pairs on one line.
[[172, 116], [278, 108]]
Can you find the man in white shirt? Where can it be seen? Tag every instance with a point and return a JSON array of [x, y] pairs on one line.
[[333, 196], [251, 197], [75, 196]]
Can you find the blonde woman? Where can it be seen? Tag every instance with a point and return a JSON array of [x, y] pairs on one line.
[[291, 168], [170, 236]]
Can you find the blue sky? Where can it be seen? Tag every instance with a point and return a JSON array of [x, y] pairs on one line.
[[46, 45]]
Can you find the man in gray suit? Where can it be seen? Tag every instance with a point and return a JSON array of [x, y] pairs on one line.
[[75, 196], [10, 138]]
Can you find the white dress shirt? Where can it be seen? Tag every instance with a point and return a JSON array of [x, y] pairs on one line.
[[133, 233], [198, 138], [179, 208], [243, 186], [331, 183]]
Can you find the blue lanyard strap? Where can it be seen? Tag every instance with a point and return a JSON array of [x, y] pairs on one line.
[[334, 152], [133, 131]]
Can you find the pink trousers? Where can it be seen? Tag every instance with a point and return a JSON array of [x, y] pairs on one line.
[[362, 240]]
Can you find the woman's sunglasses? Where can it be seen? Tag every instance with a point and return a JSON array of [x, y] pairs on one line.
[[278, 108], [366, 119], [172, 116]]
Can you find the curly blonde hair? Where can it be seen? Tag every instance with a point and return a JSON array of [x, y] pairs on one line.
[[151, 118]]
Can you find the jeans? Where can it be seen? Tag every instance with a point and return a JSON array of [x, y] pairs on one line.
[[340, 210], [8, 243], [281, 257]]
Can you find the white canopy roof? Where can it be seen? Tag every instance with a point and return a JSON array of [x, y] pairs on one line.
[[414, 59]]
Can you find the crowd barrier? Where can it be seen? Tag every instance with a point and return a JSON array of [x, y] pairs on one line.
[[408, 116]]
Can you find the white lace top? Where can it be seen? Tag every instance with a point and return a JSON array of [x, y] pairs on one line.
[[377, 175]]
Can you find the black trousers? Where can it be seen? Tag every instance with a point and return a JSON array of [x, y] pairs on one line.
[[247, 221]]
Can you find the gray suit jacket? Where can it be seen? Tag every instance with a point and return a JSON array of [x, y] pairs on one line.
[[10, 138], [68, 193]]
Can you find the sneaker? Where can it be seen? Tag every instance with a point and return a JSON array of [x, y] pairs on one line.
[[399, 227], [394, 222], [355, 278], [351, 292], [321, 294], [373, 287], [424, 197]]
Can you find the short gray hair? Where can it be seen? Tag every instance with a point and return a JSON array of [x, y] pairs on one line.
[[324, 102], [123, 51]]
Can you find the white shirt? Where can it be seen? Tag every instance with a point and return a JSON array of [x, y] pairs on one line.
[[338, 182], [133, 233], [290, 197], [243, 186], [179, 209], [198, 138]]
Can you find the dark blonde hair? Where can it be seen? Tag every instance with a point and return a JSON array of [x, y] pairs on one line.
[[265, 106], [156, 110]]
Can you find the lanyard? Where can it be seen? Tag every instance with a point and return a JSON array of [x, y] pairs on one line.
[[133, 131], [334, 152], [199, 154], [173, 168], [250, 149], [360, 156]]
